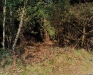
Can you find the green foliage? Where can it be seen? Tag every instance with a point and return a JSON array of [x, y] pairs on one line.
[[61, 4], [41, 10], [59, 14], [50, 29], [81, 12], [13, 3], [38, 14], [4, 54]]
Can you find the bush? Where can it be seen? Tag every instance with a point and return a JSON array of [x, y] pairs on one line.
[[75, 25]]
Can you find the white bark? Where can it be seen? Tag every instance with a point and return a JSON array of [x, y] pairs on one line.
[[4, 13], [19, 29], [20, 26]]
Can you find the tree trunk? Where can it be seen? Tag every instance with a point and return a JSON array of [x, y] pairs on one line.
[[19, 29], [20, 26], [4, 13], [83, 36]]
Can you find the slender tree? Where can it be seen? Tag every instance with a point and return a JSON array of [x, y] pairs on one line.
[[20, 25], [4, 19]]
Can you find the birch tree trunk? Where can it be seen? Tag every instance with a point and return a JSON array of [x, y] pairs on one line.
[[19, 29], [4, 13], [20, 26]]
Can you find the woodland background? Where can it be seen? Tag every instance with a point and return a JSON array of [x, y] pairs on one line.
[[46, 37], [66, 22], [60, 23]]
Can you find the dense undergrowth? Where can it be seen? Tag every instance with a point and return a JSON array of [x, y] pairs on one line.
[[74, 26], [68, 24], [51, 61]]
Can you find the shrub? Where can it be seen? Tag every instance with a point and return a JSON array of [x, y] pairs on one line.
[[75, 25]]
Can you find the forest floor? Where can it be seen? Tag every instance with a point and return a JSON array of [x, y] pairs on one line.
[[47, 60]]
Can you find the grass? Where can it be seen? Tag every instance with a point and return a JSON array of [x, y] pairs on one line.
[[69, 62]]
